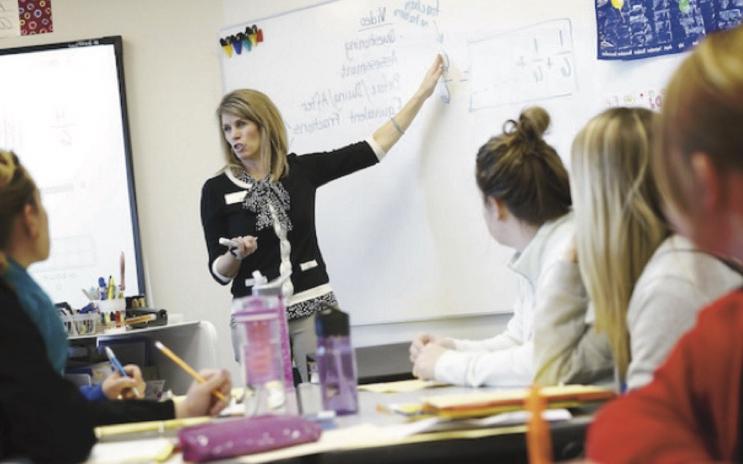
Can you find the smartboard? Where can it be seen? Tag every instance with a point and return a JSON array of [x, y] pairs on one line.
[[63, 112], [405, 240]]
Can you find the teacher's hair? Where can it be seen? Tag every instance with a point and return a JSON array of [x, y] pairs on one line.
[[17, 190], [618, 218], [702, 113], [256, 107], [519, 168]]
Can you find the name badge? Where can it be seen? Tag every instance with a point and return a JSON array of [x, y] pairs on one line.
[[235, 197], [308, 265]]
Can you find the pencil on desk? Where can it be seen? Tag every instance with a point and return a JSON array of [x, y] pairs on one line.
[[198, 377]]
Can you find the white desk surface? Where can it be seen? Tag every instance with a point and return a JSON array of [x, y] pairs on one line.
[[124, 333]]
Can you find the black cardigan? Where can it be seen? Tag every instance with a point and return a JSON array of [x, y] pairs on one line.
[[222, 218], [42, 416]]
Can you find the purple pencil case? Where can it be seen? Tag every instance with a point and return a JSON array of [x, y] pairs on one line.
[[237, 437]]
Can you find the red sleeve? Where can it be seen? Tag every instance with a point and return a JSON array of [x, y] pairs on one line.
[[690, 411]]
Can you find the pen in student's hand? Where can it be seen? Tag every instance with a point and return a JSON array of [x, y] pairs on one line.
[[198, 377], [119, 368]]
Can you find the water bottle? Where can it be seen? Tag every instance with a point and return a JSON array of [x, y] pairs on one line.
[[272, 295], [336, 362], [260, 342], [266, 353]]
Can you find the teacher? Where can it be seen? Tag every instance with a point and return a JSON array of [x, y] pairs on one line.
[[263, 200]]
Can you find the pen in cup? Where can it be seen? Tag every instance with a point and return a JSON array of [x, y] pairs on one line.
[[119, 368]]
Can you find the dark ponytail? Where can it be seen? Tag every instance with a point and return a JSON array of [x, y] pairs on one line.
[[519, 168]]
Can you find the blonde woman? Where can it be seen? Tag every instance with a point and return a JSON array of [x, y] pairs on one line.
[[693, 409], [264, 202], [645, 283]]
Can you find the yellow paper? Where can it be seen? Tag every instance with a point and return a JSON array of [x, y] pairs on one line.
[[143, 427], [491, 399], [140, 451], [403, 386]]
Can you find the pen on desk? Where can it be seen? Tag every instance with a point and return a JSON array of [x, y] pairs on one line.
[[198, 377], [119, 368]]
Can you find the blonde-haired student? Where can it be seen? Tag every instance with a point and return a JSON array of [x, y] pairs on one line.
[[43, 417], [692, 410], [645, 283], [526, 198]]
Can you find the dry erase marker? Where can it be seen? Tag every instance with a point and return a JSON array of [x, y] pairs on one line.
[[119, 368], [227, 242]]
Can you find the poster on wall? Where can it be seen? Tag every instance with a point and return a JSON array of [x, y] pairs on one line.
[[633, 29], [25, 17]]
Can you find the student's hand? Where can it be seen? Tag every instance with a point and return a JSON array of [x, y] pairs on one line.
[[425, 365], [117, 387], [424, 339], [199, 399], [245, 246], [431, 78]]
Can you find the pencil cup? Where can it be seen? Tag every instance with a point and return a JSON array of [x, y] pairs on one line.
[[81, 324], [113, 312]]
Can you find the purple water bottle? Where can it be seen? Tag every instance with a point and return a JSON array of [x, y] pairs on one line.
[[336, 362]]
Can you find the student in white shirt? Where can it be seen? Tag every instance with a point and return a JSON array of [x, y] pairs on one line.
[[645, 283], [526, 198]]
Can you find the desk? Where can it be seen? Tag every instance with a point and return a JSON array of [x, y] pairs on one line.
[[194, 341], [498, 444]]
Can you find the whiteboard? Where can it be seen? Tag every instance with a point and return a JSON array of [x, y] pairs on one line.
[[405, 240], [63, 112]]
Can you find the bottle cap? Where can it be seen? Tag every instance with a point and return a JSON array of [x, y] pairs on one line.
[[261, 286], [331, 321]]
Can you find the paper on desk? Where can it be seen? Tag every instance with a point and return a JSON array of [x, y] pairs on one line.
[[402, 386], [141, 451]]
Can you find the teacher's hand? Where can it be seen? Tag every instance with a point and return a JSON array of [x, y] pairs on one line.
[[246, 246], [431, 78]]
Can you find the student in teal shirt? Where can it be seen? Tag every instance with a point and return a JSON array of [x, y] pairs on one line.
[[33, 246]]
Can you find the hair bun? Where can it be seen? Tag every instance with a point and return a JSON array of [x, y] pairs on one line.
[[7, 167], [533, 122]]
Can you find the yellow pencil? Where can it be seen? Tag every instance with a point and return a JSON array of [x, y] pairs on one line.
[[174, 357]]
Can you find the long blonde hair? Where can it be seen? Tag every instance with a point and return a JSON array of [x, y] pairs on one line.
[[256, 107], [618, 216], [702, 112]]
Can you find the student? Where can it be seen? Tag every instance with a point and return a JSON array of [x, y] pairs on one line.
[[526, 198], [645, 283], [42, 312], [42, 416], [692, 410], [264, 201]]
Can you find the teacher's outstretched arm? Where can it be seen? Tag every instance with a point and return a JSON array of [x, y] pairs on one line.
[[391, 131]]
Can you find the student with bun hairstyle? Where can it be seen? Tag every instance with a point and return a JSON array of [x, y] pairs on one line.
[[43, 417], [692, 410], [645, 283], [526, 198]]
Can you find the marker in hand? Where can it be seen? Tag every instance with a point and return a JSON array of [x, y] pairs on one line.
[[228, 243], [119, 368]]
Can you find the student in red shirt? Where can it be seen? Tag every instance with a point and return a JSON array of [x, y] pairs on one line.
[[691, 411]]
